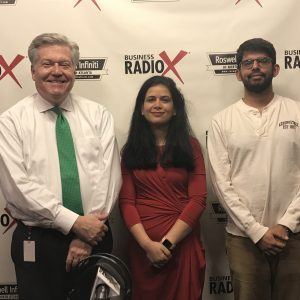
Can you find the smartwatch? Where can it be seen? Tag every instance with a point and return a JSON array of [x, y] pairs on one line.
[[168, 244]]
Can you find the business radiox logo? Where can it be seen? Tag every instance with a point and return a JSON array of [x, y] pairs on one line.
[[292, 59], [222, 63], [153, 64], [8, 2], [220, 285], [91, 68], [7, 69]]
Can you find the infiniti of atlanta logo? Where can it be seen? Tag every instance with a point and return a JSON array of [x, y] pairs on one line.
[[91, 68], [222, 63], [8, 2]]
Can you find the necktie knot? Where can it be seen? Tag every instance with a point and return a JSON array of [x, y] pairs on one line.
[[57, 110]]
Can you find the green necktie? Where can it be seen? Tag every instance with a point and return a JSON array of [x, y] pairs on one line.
[[67, 162]]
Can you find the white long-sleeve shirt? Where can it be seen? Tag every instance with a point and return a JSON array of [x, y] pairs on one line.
[[255, 166], [29, 164]]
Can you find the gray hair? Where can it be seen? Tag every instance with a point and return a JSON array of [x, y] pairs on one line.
[[52, 39]]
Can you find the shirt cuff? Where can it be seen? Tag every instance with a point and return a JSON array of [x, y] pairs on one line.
[[64, 220], [287, 222], [256, 232]]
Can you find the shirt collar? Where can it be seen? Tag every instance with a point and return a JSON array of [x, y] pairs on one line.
[[43, 105], [247, 108]]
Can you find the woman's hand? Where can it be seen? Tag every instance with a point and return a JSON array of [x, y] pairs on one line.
[[157, 253]]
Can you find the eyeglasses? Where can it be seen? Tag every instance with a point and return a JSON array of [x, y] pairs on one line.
[[261, 61]]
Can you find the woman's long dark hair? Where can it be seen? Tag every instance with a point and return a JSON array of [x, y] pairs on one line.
[[140, 150]]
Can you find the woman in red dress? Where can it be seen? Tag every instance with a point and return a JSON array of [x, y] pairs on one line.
[[163, 196]]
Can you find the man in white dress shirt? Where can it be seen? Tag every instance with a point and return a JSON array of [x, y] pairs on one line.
[[51, 238], [254, 153]]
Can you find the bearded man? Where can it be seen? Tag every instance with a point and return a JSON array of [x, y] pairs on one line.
[[254, 153]]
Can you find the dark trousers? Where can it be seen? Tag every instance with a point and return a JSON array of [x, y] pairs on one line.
[[46, 278], [256, 276]]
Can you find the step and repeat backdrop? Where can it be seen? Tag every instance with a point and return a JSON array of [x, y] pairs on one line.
[[124, 42]]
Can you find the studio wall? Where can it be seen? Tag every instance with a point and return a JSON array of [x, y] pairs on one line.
[[124, 42]]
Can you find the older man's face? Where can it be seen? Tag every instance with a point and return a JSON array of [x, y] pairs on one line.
[[53, 73]]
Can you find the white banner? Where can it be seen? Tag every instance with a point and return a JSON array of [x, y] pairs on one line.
[[124, 42]]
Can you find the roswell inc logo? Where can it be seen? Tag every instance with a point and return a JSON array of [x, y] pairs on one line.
[[292, 59], [257, 1], [91, 68], [94, 1], [151, 64], [222, 63], [8, 2], [7, 69]]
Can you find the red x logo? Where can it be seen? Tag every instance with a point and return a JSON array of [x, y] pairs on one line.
[[94, 1], [8, 68], [257, 1], [171, 64], [12, 223]]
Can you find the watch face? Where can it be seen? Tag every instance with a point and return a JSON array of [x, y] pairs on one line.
[[167, 244]]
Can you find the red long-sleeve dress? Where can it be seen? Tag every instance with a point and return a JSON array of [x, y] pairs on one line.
[[156, 199]]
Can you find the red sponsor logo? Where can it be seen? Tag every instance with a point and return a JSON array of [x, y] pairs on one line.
[[8, 68], [94, 1], [257, 1], [171, 63]]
